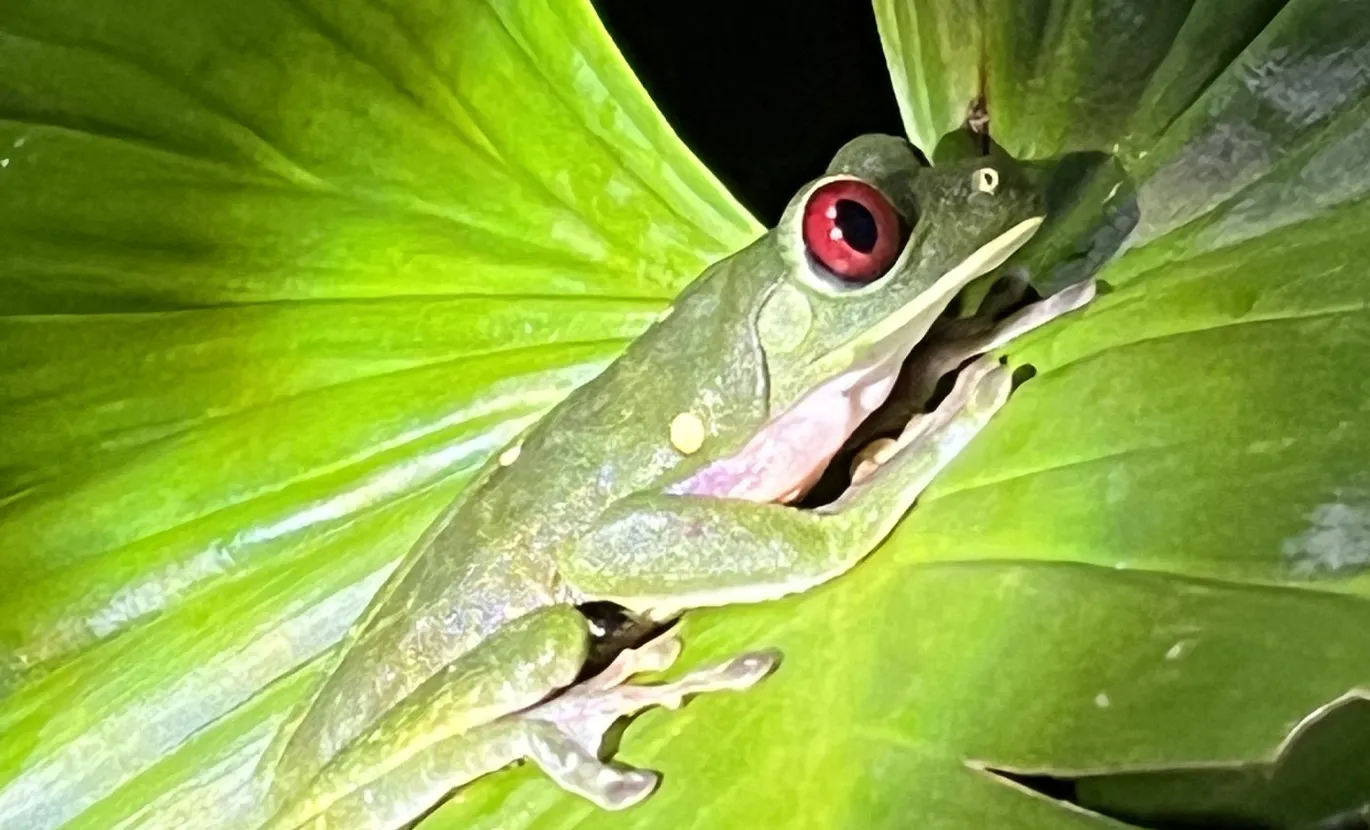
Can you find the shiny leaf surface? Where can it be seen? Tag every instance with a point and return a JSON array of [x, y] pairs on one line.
[[278, 283], [276, 278]]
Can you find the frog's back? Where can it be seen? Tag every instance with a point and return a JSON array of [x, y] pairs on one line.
[[491, 557]]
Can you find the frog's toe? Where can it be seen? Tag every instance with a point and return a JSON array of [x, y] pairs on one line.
[[578, 770], [991, 390], [587, 711], [741, 672], [1040, 313], [566, 734], [735, 675], [872, 457], [981, 389], [657, 654]]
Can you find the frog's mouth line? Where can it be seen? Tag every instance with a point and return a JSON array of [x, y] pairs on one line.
[[793, 451]]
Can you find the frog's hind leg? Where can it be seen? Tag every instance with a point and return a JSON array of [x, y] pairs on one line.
[[566, 735], [521, 664]]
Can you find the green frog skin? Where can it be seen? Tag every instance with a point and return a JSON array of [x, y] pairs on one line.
[[666, 484]]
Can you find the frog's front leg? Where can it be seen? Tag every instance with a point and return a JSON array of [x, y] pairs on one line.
[[965, 339], [662, 554], [1030, 317]]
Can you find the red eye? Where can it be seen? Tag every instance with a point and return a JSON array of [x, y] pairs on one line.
[[852, 230]]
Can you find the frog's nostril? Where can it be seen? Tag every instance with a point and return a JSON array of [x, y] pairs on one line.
[[987, 180]]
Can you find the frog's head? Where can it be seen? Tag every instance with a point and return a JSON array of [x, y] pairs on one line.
[[873, 252]]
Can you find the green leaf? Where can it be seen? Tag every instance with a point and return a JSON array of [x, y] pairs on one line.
[[1064, 77], [902, 678], [1155, 558], [933, 50], [275, 278], [1319, 774]]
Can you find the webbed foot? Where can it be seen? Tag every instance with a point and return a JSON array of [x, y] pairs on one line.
[[566, 734], [944, 356]]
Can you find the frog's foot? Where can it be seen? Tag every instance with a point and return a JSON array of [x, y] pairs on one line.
[[952, 353], [1031, 317], [567, 733], [981, 389]]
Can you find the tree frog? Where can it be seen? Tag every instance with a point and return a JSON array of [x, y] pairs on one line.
[[671, 481]]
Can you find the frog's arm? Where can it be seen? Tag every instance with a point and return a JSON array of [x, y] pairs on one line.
[[709, 551]]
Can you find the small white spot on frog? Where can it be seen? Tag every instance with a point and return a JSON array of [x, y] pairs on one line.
[[510, 455], [4, 162], [21, 141], [1337, 537], [1101, 700], [1119, 566], [368, 796], [1177, 651], [527, 328], [687, 432]]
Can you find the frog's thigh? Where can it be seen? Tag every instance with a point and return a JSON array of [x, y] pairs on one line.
[[519, 665], [426, 778], [669, 553]]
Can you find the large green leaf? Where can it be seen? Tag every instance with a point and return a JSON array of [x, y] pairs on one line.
[[277, 277], [279, 274], [1155, 558]]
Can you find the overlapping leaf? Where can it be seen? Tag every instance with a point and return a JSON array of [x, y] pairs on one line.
[[281, 277]]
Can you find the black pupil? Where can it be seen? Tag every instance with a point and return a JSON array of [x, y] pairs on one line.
[[857, 225]]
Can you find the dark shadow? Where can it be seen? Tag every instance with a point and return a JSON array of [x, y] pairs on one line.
[[763, 92], [1321, 781], [1091, 209]]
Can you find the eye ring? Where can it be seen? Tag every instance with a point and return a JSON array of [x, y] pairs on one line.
[[852, 230], [986, 180]]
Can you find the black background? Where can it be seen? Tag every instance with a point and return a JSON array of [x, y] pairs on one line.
[[763, 91]]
